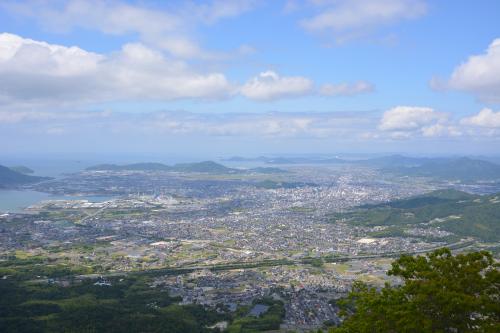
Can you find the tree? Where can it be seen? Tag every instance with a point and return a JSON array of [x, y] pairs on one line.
[[440, 292]]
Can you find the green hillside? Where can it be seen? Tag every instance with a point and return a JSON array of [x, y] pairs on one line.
[[267, 170], [464, 169], [11, 178], [206, 166], [134, 166], [203, 167], [454, 211], [22, 169]]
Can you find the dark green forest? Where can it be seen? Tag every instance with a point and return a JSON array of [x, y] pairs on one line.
[[461, 213], [36, 297]]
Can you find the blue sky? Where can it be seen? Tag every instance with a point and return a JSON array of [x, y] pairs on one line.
[[250, 77]]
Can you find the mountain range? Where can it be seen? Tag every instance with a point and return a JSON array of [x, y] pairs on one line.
[[443, 168]]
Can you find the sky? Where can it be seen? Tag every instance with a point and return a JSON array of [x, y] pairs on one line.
[[249, 77]]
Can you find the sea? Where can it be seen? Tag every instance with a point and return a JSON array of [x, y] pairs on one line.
[[15, 201]]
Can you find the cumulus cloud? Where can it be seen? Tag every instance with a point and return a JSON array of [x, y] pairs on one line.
[[406, 122], [270, 86], [346, 89], [485, 118], [438, 130], [352, 18], [480, 75], [168, 27], [34, 71], [409, 118]]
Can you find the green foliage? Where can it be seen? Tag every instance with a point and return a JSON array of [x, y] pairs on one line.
[[317, 262], [440, 293], [270, 320], [129, 305], [271, 184], [461, 213]]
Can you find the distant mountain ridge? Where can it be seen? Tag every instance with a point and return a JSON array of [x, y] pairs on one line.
[[461, 168], [444, 168], [11, 178], [202, 167], [465, 169]]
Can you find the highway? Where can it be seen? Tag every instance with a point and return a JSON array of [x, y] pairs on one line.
[[276, 262]]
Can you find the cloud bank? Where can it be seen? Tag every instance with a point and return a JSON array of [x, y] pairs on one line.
[[398, 123]]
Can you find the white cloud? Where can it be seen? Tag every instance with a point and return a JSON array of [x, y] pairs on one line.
[[480, 75], [270, 86], [22, 55], [408, 118], [485, 118], [39, 72], [168, 27], [346, 89], [352, 18], [438, 130], [36, 74]]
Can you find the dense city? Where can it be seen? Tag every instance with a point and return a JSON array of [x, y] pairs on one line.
[[224, 241]]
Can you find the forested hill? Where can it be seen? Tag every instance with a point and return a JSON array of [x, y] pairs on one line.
[[11, 178], [206, 166], [202, 167], [458, 212], [463, 169]]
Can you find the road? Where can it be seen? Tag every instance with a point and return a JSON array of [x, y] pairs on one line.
[[276, 262]]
